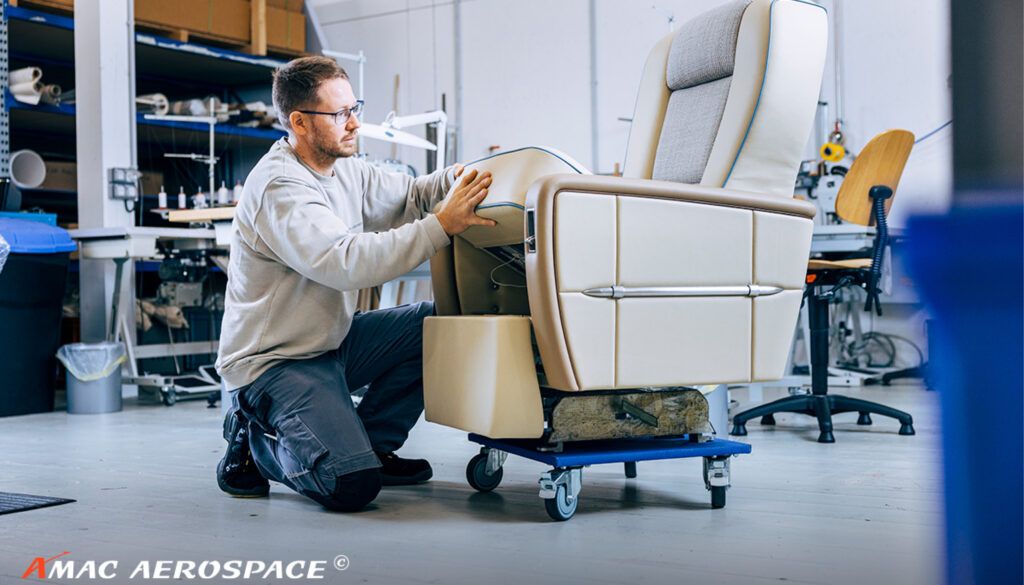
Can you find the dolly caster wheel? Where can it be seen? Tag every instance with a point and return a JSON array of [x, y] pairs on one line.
[[826, 437], [630, 469], [907, 429], [739, 430], [562, 506], [477, 476], [864, 418], [170, 397], [768, 419], [718, 497]]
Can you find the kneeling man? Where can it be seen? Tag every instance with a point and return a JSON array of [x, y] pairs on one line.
[[314, 226]]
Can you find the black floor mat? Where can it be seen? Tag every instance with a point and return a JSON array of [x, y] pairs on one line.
[[10, 503]]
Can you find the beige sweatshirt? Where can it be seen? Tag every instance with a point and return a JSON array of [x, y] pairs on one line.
[[303, 246]]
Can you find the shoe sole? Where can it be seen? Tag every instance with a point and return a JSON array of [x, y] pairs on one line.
[[259, 492], [395, 480]]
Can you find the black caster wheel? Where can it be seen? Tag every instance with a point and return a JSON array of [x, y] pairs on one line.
[[768, 419], [559, 507], [477, 476], [739, 430], [826, 437], [630, 469], [170, 397], [718, 497], [907, 429], [212, 399], [864, 418]]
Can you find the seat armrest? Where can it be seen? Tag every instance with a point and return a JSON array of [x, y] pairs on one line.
[[552, 184]]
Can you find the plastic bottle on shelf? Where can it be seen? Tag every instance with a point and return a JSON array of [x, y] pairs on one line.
[[161, 198], [199, 200], [223, 195], [182, 199], [236, 193]]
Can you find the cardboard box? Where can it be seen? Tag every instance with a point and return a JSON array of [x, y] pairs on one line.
[[223, 19], [64, 176], [286, 29], [68, 5], [293, 5]]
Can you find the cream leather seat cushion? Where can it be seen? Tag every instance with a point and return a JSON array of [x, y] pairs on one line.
[[512, 174]]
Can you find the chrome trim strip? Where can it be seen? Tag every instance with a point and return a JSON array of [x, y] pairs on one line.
[[622, 292]]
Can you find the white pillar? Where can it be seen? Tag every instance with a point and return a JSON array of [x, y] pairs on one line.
[[105, 130]]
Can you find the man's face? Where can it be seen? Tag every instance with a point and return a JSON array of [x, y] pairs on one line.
[[326, 137]]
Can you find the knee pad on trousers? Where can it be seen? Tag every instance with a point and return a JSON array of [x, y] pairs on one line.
[[352, 491]]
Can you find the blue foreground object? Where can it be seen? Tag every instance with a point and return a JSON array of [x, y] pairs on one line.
[[560, 487], [968, 267]]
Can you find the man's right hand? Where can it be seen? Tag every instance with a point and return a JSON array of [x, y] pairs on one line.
[[458, 212]]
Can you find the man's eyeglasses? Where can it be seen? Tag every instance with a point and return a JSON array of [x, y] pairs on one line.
[[341, 116]]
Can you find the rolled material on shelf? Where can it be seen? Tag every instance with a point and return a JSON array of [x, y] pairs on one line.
[[50, 94], [25, 85], [153, 103], [201, 107], [28, 170]]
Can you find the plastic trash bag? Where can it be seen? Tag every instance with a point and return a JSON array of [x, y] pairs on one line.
[[5, 249], [91, 361]]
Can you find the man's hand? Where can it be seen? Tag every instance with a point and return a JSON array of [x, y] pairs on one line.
[[458, 212]]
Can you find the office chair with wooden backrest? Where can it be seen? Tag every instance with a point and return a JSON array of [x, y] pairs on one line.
[[864, 198]]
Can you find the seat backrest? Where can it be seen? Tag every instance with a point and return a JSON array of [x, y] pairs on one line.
[[880, 162], [726, 100]]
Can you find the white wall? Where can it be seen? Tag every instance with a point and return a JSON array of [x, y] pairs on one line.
[[896, 75], [526, 76], [411, 39]]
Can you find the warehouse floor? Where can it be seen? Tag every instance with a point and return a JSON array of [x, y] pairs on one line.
[[864, 510]]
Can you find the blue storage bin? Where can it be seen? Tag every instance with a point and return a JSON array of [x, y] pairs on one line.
[[31, 295]]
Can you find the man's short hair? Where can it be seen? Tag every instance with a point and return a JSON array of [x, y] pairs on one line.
[[296, 83]]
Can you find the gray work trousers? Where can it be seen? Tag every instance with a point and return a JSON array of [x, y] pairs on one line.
[[304, 430]]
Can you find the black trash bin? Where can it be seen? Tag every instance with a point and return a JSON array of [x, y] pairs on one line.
[[31, 296]]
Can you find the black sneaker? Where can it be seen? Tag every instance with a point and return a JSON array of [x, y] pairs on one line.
[[237, 475], [395, 470]]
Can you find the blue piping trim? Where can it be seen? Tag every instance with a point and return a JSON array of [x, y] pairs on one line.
[[572, 166], [502, 204], [764, 78]]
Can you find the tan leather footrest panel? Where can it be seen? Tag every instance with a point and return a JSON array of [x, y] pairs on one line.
[[479, 376]]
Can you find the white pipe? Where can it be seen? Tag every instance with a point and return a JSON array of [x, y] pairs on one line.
[[837, 67], [28, 170], [212, 161], [457, 30], [594, 131]]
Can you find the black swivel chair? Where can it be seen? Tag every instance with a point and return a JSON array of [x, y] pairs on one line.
[[864, 198]]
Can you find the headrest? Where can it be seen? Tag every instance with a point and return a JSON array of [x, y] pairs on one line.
[[704, 49]]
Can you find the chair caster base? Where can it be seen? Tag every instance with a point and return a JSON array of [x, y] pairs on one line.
[[864, 418], [739, 430], [768, 419], [907, 429], [826, 437]]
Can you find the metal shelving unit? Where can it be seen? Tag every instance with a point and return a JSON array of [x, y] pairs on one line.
[[181, 70]]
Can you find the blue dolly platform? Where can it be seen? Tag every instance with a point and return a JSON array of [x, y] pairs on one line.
[[560, 487]]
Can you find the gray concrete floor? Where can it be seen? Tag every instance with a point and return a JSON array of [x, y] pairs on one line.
[[866, 509]]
